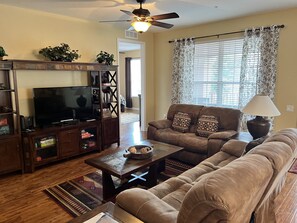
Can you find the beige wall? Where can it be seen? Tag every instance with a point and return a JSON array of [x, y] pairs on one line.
[[286, 91], [123, 55], [24, 32]]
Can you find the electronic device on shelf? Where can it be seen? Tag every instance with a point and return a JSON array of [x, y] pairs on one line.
[[56, 104]]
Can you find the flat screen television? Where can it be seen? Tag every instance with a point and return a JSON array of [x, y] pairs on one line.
[[61, 104]]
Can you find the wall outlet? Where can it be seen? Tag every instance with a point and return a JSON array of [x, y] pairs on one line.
[[290, 108]]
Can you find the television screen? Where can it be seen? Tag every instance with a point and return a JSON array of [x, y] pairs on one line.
[[60, 104]]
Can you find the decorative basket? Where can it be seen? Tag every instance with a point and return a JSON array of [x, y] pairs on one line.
[[139, 152]]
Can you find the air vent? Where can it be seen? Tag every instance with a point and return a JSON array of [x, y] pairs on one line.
[[131, 34]]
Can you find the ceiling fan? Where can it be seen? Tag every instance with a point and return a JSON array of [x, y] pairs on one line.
[[141, 19]]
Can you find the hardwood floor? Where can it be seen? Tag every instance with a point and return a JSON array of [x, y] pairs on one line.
[[22, 198]]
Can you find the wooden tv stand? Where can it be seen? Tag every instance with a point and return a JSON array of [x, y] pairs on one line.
[[47, 145], [43, 146]]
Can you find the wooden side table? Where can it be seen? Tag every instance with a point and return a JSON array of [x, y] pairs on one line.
[[243, 136], [113, 210]]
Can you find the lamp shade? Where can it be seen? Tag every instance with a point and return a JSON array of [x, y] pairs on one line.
[[141, 26], [261, 105]]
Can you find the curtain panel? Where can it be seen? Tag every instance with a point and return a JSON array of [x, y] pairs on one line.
[[259, 65], [182, 73]]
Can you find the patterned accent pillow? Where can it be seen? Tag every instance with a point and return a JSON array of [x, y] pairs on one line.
[[181, 122], [207, 124]]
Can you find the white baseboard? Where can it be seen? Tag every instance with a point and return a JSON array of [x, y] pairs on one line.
[[136, 109]]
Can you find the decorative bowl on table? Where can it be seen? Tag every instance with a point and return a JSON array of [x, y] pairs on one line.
[[139, 152]]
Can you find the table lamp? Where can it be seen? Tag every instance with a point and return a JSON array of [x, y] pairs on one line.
[[260, 105]]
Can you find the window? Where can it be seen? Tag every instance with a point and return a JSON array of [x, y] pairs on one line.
[[135, 77], [217, 68]]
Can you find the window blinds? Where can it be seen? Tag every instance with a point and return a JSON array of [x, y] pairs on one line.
[[217, 68]]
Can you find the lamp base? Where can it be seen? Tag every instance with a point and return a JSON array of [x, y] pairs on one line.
[[258, 127]]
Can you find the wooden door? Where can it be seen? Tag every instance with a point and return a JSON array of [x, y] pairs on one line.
[[68, 142], [110, 131], [10, 159]]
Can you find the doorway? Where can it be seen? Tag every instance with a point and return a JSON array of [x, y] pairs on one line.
[[132, 101]]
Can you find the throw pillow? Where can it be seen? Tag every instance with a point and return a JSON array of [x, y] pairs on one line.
[[207, 124], [181, 122]]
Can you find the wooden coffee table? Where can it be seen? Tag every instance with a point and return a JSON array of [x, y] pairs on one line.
[[114, 164]]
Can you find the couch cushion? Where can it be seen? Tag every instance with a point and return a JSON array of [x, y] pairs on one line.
[[186, 108], [181, 122], [207, 124], [168, 136], [193, 143], [288, 136], [229, 118], [278, 153], [229, 194], [176, 198], [146, 206]]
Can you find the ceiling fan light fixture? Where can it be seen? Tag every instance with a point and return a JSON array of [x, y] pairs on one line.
[[141, 26]]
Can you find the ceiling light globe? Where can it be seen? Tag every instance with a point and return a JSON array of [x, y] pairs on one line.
[[140, 26]]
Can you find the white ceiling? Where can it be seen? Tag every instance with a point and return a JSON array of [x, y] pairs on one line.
[[191, 12]]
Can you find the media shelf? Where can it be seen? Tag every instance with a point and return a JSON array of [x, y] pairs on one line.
[[10, 138], [106, 102], [18, 151], [45, 148], [51, 144], [88, 138]]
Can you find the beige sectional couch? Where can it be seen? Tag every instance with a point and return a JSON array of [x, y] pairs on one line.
[[229, 186], [197, 148]]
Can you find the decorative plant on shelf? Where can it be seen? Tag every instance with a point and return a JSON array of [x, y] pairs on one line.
[[2, 53], [60, 53], [105, 58]]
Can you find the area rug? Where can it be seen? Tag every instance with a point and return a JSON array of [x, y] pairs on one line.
[[79, 195], [127, 117], [175, 168], [82, 194], [293, 168]]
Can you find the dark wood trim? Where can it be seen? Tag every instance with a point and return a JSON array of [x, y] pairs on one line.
[[56, 65], [128, 82], [222, 34]]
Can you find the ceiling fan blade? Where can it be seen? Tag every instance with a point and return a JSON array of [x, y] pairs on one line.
[[171, 15], [127, 12], [127, 20], [162, 24]]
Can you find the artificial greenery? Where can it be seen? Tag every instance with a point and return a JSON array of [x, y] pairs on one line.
[[106, 58], [60, 53], [2, 52]]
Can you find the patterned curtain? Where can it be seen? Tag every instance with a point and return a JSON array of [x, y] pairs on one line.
[[182, 74], [258, 68]]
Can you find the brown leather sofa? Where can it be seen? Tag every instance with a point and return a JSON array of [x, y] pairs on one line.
[[230, 186], [197, 148]]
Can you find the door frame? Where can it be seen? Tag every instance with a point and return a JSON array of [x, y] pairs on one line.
[[143, 77]]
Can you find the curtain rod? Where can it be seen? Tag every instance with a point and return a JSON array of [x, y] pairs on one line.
[[222, 34]]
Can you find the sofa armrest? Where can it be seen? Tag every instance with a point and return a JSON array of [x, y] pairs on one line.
[[146, 206], [217, 140], [161, 124], [234, 147]]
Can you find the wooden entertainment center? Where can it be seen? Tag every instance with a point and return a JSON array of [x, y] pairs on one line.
[[25, 150]]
